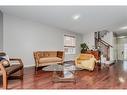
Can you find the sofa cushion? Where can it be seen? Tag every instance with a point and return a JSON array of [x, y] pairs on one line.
[[49, 59], [79, 61], [1, 58], [2, 53], [4, 62], [5, 59], [50, 54], [47, 54], [86, 64]]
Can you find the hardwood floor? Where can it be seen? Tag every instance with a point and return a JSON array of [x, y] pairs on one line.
[[113, 78]]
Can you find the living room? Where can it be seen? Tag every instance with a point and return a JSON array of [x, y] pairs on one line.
[[30, 32]]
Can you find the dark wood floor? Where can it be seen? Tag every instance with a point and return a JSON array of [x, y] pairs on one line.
[[113, 78]]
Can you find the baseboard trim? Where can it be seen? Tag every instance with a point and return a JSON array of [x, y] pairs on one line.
[[26, 66]]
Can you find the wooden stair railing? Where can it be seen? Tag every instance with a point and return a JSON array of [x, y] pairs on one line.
[[105, 48], [102, 45], [105, 43]]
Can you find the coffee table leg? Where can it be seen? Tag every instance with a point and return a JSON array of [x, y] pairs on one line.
[[53, 76]]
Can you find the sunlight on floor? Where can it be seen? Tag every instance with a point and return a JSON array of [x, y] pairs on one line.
[[125, 65], [121, 79]]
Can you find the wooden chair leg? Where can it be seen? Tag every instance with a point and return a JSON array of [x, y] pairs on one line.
[[5, 81], [36, 69]]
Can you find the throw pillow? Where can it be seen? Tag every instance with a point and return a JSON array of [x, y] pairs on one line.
[[2, 53], [1, 58], [4, 62]]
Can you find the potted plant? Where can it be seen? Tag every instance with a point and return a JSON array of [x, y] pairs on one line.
[[84, 47]]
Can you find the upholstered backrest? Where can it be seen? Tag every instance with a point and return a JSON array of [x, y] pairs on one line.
[[2, 53], [95, 53], [85, 56], [49, 54], [43, 54], [5, 63]]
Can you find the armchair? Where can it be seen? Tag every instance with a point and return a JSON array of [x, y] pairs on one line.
[[7, 70], [85, 61]]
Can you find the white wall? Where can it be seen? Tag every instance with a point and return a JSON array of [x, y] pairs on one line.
[[1, 30], [89, 39], [22, 37], [115, 48], [79, 40], [109, 38]]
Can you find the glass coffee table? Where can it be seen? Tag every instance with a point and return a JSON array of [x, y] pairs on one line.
[[63, 72]]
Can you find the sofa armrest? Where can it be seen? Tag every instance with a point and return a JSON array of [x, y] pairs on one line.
[[2, 68], [36, 57], [60, 54], [16, 59]]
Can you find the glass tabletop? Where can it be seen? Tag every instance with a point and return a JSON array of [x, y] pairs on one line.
[[58, 67], [63, 72]]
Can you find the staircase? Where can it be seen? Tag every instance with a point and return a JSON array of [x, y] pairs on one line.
[[103, 46]]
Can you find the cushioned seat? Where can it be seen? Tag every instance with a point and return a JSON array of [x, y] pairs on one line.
[[50, 59], [13, 68], [88, 64]]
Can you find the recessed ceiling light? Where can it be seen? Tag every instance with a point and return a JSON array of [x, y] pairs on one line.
[[76, 17], [123, 28]]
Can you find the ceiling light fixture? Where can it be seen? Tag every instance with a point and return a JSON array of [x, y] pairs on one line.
[[76, 17], [123, 28]]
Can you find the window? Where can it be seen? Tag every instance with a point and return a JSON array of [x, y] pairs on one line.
[[69, 44]]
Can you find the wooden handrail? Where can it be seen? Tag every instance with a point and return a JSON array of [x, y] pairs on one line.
[[105, 43]]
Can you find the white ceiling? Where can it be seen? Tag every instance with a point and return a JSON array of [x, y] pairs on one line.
[[93, 18]]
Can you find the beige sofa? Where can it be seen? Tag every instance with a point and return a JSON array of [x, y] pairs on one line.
[[43, 58]]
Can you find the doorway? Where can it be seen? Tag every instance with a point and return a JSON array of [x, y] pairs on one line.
[[125, 52], [122, 48]]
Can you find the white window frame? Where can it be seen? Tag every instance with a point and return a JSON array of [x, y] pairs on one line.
[[71, 48]]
